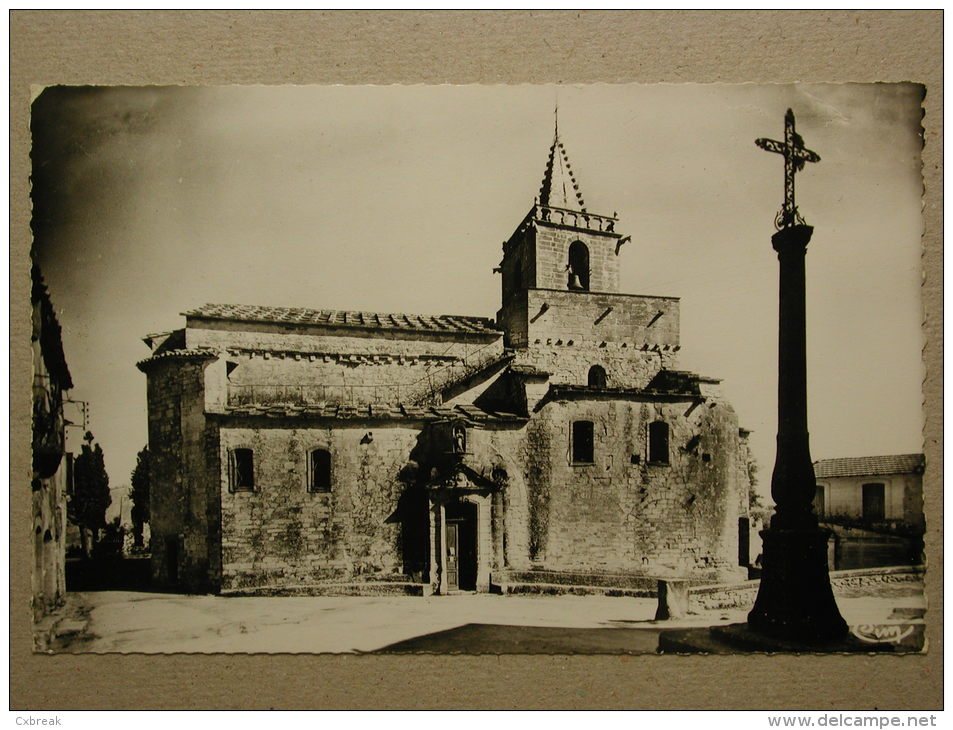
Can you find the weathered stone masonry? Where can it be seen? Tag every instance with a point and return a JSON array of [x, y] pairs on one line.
[[325, 451]]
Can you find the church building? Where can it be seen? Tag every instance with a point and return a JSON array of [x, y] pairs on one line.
[[323, 451]]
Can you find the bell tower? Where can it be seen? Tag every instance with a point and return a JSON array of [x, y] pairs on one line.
[[558, 247]]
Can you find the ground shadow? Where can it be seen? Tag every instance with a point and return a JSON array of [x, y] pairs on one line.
[[502, 639]]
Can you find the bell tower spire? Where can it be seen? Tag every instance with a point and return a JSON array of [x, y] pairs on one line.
[[559, 188], [559, 250]]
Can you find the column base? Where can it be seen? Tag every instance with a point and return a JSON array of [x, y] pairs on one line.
[[795, 600]]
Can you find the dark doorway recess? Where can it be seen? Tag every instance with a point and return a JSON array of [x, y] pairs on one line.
[[461, 546]]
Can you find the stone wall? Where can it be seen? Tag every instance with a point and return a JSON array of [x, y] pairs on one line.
[[617, 515], [372, 525], [552, 255], [843, 582], [282, 534], [49, 543], [184, 535], [536, 257], [537, 317], [49, 474], [569, 365], [588, 317], [266, 366]]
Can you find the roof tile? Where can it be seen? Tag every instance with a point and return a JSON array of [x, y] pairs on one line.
[[868, 466], [376, 412], [366, 320]]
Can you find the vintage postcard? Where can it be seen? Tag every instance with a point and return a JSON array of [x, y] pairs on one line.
[[533, 369]]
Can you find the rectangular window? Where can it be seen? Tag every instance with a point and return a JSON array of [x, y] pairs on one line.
[[69, 473], [744, 541], [241, 470], [582, 442], [319, 466], [658, 442]]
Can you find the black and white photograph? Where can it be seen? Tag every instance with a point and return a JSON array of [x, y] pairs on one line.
[[478, 369]]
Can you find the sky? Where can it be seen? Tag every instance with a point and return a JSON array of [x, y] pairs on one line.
[[151, 201]]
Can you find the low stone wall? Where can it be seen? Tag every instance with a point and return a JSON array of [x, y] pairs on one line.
[[552, 583], [369, 588], [728, 595], [874, 576], [742, 595], [562, 589], [579, 579]]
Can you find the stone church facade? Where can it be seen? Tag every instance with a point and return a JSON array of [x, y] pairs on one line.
[[325, 451]]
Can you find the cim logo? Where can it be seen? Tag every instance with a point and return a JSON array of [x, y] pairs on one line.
[[883, 633]]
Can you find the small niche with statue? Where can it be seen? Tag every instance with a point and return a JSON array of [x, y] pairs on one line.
[[451, 438]]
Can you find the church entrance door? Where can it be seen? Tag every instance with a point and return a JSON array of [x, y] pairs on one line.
[[453, 556], [461, 556]]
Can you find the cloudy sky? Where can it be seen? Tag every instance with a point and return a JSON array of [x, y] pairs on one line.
[[152, 201]]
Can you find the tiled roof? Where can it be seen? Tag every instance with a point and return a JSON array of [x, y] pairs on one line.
[[678, 384], [376, 412], [530, 371], [868, 466], [337, 318], [197, 353], [675, 381]]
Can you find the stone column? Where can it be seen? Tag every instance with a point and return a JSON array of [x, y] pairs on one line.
[[795, 600], [483, 543], [442, 542], [433, 580]]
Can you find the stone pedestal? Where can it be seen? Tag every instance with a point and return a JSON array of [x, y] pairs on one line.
[[795, 600], [672, 599]]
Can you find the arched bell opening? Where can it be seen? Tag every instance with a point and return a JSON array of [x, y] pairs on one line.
[[579, 266]]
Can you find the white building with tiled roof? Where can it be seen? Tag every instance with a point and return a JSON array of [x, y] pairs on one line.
[[318, 450], [874, 489]]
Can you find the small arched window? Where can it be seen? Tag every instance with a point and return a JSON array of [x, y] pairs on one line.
[[597, 377], [319, 471], [658, 442], [578, 266], [241, 470]]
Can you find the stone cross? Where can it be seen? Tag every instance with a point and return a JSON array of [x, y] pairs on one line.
[[795, 600], [795, 155]]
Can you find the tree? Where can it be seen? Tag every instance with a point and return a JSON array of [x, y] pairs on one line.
[[757, 509], [110, 544], [87, 508], [139, 493]]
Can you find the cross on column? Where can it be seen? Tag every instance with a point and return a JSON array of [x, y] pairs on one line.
[[795, 600], [795, 155]]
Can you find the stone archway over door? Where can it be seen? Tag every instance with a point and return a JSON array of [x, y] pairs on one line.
[[461, 547]]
